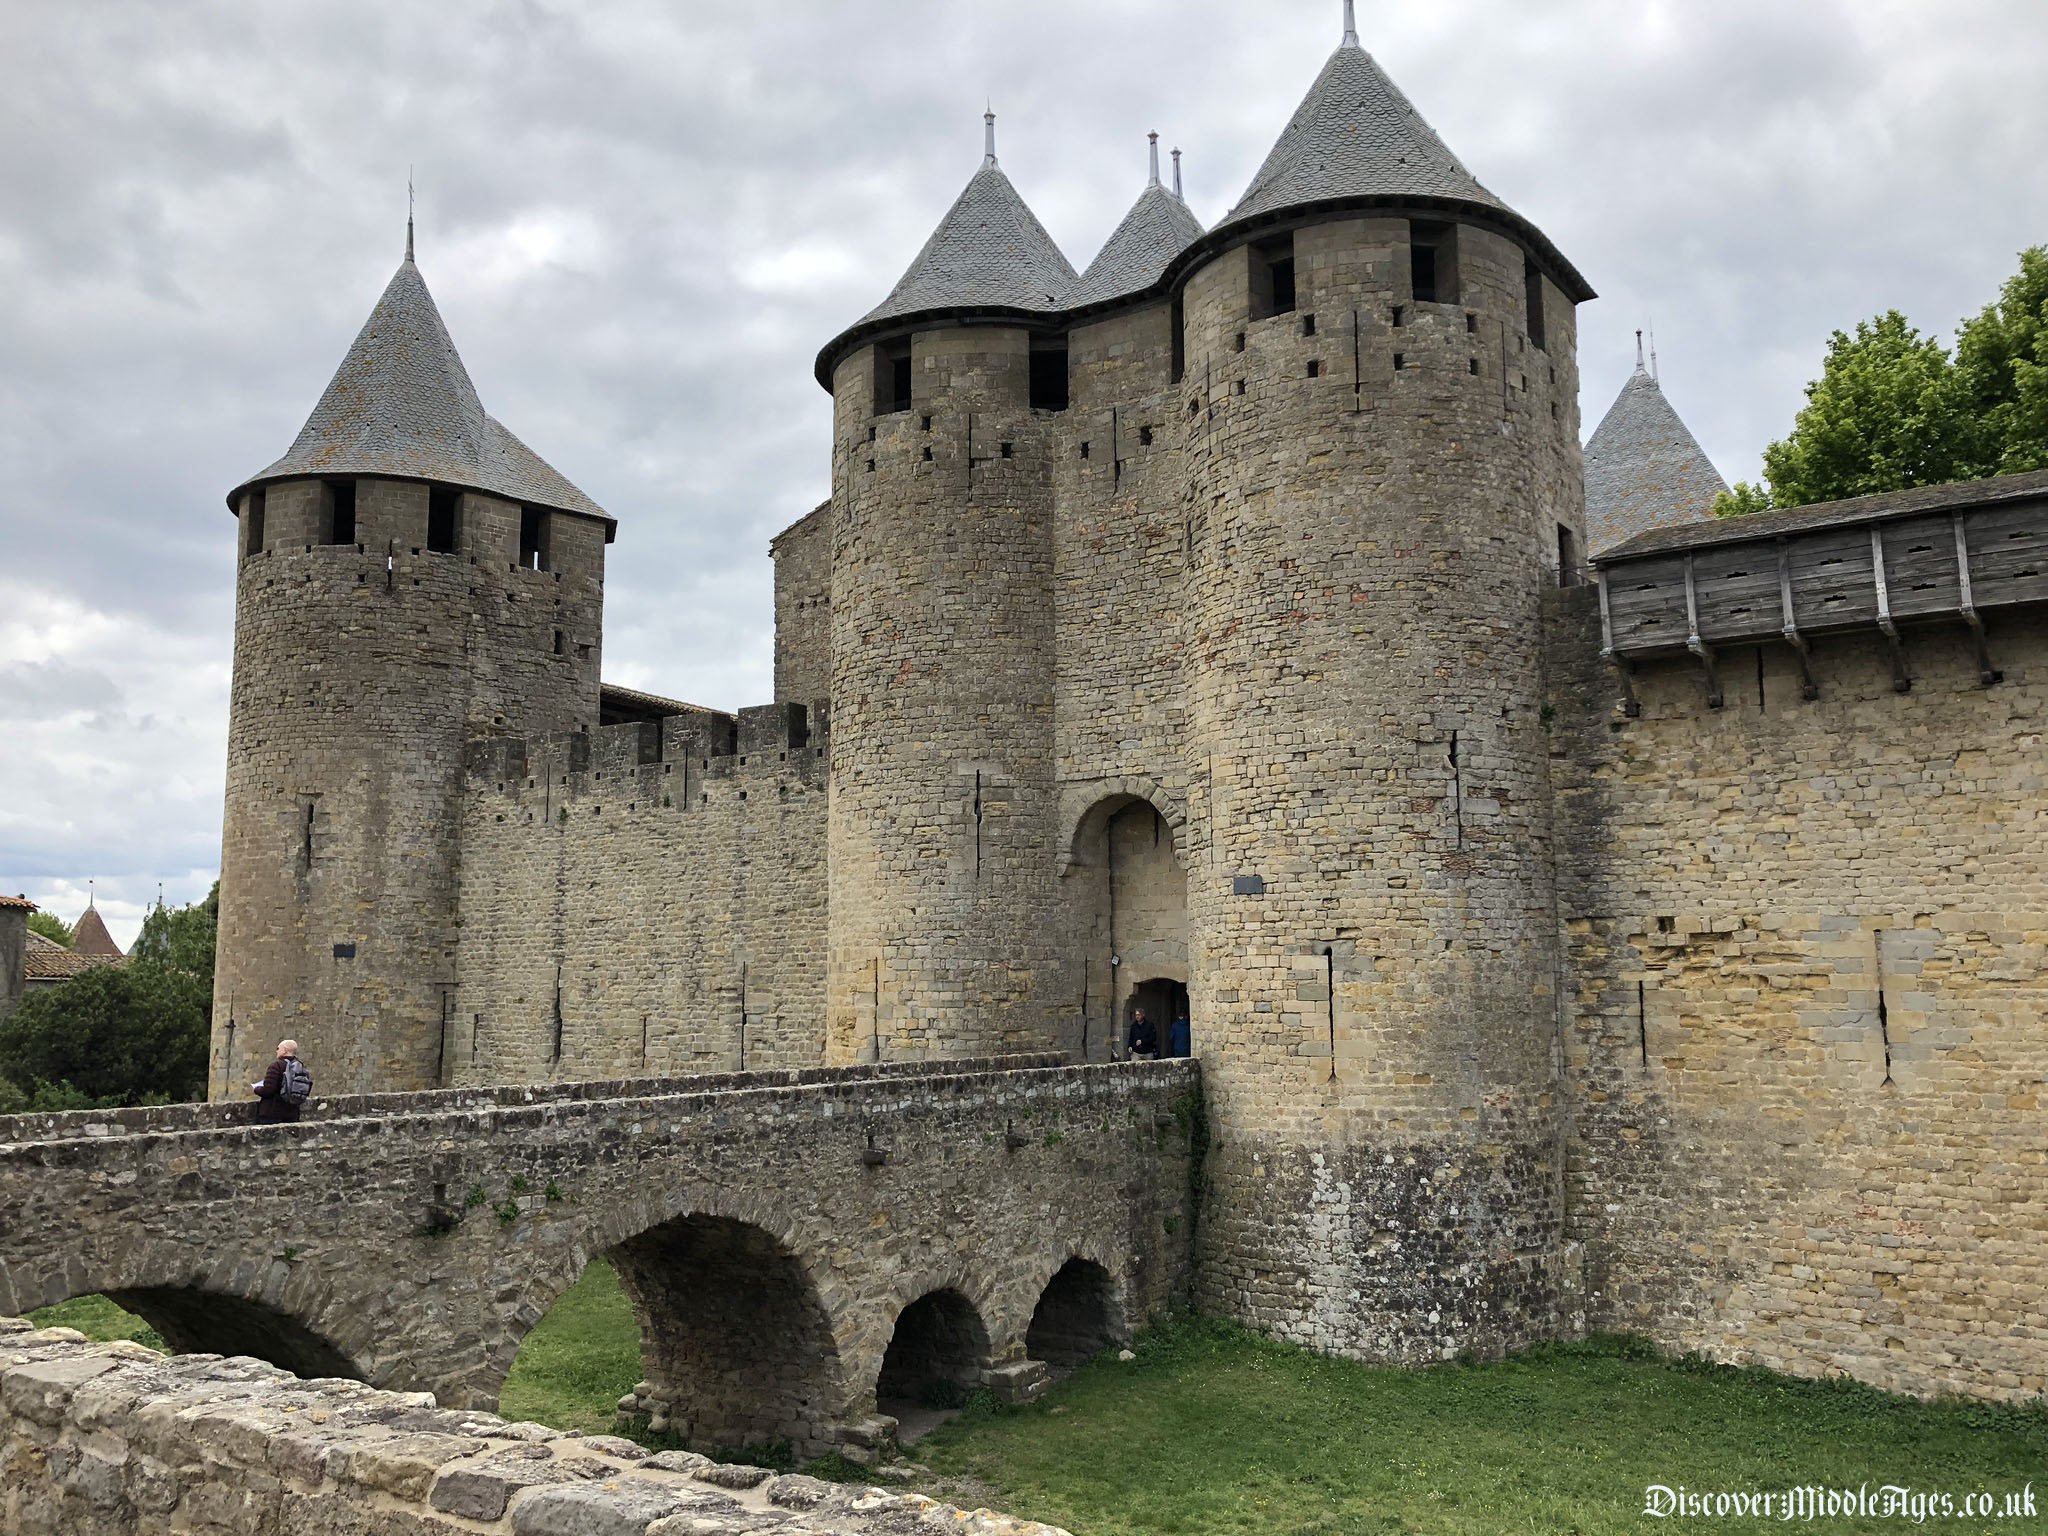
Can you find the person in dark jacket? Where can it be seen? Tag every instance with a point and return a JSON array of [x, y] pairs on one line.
[[1141, 1042], [1179, 1037], [272, 1107]]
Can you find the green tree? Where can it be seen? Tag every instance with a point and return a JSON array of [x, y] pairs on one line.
[[1892, 408], [51, 927], [121, 1034], [2002, 362]]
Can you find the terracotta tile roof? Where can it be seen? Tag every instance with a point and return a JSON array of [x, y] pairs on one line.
[[21, 902], [89, 936], [46, 960]]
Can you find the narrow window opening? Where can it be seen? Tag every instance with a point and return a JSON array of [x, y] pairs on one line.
[[341, 512], [533, 539], [871, 466], [1330, 1002], [1084, 450], [1006, 449], [1315, 368], [306, 836], [1553, 410], [1144, 437], [871, 434], [1471, 323], [1238, 345], [1400, 316], [1642, 1025], [1308, 325], [255, 516], [1532, 296], [1272, 277], [1177, 323], [1472, 365], [1457, 795], [1433, 262], [559, 647], [443, 512], [1049, 386], [892, 377], [925, 423], [927, 453], [1240, 386], [1884, 1011], [1567, 557], [1400, 362]]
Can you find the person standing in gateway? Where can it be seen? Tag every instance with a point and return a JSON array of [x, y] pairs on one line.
[[285, 1087]]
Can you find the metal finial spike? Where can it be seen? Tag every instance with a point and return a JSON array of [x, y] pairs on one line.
[[988, 119], [1350, 24], [1153, 181], [1653, 348], [1639, 350], [408, 213], [1176, 173]]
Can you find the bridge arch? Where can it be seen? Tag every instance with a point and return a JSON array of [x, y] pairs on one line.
[[938, 1355], [737, 1337], [1080, 1312], [209, 1302]]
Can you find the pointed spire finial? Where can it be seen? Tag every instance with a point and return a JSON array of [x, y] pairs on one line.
[[1653, 346], [988, 119], [408, 213], [1639, 350], [89, 898], [1350, 24], [1176, 175], [1153, 180]]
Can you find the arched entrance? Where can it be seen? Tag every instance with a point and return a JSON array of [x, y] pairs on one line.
[[1077, 1317], [1126, 877], [733, 1336], [936, 1358], [1163, 999]]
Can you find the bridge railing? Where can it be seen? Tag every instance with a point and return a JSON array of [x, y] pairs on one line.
[[83, 1124]]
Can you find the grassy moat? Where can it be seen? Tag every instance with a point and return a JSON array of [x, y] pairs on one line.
[[1214, 1429]]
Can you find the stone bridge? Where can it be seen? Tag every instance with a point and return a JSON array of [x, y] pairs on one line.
[[804, 1250]]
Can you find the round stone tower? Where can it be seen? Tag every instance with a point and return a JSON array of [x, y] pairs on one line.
[[1382, 477], [945, 401], [410, 577]]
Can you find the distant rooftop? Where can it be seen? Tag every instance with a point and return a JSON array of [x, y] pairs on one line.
[[46, 960], [1644, 469]]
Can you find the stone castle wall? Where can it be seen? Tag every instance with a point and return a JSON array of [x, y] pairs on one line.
[[803, 608], [643, 899], [1806, 1054], [111, 1439], [361, 670]]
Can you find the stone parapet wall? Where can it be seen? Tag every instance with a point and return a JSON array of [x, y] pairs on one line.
[[113, 1439], [1806, 1055]]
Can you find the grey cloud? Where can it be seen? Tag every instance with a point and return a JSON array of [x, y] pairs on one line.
[[642, 219]]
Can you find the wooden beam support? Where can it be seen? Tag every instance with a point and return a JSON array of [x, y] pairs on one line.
[[1809, 690], [1695, 644], [1986, 673], [1901, 683], [1630, 704]]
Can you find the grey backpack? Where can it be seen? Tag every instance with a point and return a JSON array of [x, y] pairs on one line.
[[297, 1084]]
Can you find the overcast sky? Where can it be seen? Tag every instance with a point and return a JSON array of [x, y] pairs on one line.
[[641, 221]]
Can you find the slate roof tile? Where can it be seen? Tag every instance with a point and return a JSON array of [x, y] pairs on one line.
[[1158, 228], [1644, 469]]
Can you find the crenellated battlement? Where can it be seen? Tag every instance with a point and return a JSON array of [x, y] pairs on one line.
[[677, 763]]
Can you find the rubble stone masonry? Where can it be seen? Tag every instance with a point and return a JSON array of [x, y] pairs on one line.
[[1806, 1055]]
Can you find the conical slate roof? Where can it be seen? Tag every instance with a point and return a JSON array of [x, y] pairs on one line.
[[989, 251], [1644, 469], [1356, 135], [89, 936], [1158, 228], [401, 404]]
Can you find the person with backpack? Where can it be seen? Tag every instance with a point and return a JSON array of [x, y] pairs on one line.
[[285, 1087]]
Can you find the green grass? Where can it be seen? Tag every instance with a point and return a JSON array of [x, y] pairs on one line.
[[97, 1318], [1215, 1430], [578, 1361]]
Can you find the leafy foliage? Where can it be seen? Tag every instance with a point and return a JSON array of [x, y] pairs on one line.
[[119, 1034], [51, 927], [1893, 408]]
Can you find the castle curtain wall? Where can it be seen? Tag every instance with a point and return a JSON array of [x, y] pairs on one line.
[[642, 899], [1806, 1055]]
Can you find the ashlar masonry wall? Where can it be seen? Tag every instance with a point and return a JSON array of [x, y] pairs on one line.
[[644, 898], [1808, 1046]]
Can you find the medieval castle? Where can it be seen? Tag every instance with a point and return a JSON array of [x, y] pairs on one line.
[[1646, 933]]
